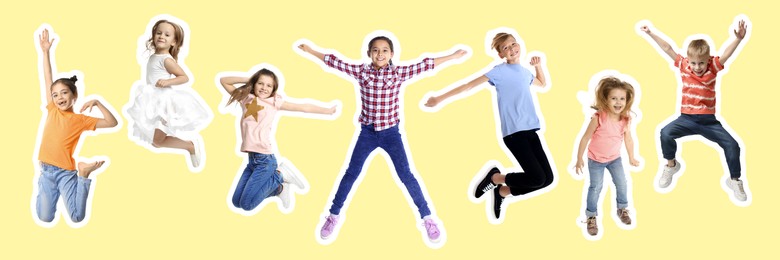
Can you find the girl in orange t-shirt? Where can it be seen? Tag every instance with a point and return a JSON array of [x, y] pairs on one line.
[[61, 133]]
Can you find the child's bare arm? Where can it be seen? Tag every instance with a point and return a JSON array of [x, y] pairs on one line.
[[308, 108], [108, 120], [308, 49], [629, 141], [435, 100], [47, 73], [594, 122], [229, 83], [540, 79], [455, 55], [172, 67], [665, 46], [740, 34]]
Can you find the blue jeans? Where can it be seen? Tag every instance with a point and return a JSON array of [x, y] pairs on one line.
[[390, 141], [707, 126], [596, 171], [259, 181], [55, 181]]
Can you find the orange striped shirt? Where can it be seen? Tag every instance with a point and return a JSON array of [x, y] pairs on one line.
[[698, 92]]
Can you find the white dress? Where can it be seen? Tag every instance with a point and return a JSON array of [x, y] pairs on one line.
[[171, 110]]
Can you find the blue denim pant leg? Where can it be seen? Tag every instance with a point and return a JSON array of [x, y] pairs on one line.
[[391, 141], [596, 173], [615, 168], [367, 142], [258, 181], [55, 181], [708, 127]]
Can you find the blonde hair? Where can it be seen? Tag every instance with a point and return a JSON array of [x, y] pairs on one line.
[[499, 39], [605, 86], [178, 34], [698, 48]]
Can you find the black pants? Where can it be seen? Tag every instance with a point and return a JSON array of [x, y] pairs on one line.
[[528, 151]]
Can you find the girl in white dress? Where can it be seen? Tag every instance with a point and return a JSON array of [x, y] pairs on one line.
[[160, 112]]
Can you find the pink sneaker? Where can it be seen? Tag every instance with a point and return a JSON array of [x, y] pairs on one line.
[[330, 225], [432, 229]]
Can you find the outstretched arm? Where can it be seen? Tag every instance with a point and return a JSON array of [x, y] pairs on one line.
[[594, 122], [540, 79], [108, 120], [306, 48], [47, 74], [173, 67], [629, 140], [229, 83], [308, 108], [435, 100], [455, 55], [665, 46], [740, 34]]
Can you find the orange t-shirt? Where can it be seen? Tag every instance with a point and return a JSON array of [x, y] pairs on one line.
[[698, 93], [61, 134]]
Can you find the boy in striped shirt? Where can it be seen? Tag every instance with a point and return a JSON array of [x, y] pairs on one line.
[[699, 72]]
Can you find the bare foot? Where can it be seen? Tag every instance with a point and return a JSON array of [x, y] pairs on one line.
[[86, 168]]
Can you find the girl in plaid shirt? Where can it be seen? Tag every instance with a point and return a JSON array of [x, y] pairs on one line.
[[380, 83]]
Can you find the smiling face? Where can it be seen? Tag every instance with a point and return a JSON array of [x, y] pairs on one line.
[[616, 101], [163, 38], [264, 87], [699, 64], [509, 50], [380, 52], [62, 97]]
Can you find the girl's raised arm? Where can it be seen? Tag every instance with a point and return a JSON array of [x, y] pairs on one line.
[[455, 55], [435, 100], [108, 120], [306, 48], [229, 83], [308, 108], [173, 67], [47, 74]]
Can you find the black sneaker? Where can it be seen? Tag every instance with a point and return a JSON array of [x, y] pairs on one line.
[[497, 200], [487, 183]]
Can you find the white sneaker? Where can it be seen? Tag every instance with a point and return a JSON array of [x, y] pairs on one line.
[[666, 176], [195, 157], [289, 175], [736, 186], [285, 195]]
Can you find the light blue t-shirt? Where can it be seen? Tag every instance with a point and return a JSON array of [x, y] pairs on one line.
[[515, 104]]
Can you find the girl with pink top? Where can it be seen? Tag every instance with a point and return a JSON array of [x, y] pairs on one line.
[[607, 129], [260, 102]]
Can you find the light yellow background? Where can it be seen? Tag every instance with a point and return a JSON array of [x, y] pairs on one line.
[[149, 205]]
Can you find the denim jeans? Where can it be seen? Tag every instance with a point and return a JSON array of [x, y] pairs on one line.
[[707, 126], [391, 141], [596, 171], [55, 181], [259, 181]]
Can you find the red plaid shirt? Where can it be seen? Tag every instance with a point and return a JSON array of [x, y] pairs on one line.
[[379, 88]]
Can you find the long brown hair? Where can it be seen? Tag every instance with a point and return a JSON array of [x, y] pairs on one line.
[[242, 92], [602, 94], [178, 34]]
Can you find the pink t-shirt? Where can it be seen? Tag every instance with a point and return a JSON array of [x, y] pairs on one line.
[[606, 140], [258, 118]]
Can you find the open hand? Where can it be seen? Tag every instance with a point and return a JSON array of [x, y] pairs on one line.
[[90, 104], [44, 40], [741, 30]]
